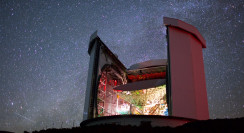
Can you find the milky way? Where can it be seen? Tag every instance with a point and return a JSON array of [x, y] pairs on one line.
[[44, 59]]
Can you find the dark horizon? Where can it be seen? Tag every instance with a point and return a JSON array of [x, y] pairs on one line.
[[44, 59], [217, 125]]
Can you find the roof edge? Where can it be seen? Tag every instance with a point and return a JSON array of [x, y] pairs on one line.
[[185, 26], [94, 37]]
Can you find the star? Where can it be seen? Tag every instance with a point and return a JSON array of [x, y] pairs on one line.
[[44, 59]]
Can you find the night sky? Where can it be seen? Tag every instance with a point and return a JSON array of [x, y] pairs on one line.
[[44, 59]]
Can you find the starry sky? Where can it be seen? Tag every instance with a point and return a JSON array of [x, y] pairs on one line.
[[44, 59]]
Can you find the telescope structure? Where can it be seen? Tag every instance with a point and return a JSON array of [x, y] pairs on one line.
[[165, 92]]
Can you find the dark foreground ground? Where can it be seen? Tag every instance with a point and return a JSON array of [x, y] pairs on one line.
[[218, 125]]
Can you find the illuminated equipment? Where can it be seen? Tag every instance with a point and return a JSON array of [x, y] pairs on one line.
[[164, 87]]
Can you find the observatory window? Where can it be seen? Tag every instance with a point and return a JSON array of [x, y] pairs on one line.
[[150, 101], [137, 97]]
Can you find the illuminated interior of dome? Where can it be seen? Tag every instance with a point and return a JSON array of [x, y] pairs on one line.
[[146, 101]]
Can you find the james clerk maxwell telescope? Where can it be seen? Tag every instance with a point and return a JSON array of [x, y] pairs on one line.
[[165, 92]]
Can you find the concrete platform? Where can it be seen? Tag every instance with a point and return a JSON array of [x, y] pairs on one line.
[[137, 120]]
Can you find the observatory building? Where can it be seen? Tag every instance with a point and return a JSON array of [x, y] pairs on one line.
[[166, 92]]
